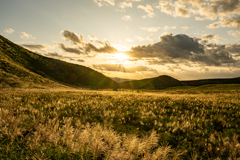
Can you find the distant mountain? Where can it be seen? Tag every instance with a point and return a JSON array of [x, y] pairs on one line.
[[160, 82], [212, 81], [164, 81], [119, 80], [19, 66]]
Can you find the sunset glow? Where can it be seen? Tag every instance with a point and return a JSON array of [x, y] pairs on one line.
[[121, 56], [179, 38]]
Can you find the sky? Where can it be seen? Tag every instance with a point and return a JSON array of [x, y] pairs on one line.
[[132, 39]]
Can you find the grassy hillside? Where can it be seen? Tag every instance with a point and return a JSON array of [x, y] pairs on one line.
[[160, 82], [18, 61]]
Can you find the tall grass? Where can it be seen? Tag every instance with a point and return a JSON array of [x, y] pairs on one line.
[[44, 124]]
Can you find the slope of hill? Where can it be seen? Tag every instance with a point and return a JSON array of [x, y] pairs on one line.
[[160, 82], [23, 66]]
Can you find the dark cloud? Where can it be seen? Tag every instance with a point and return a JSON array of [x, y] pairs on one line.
[[208, 36], [81, 46], [69, 49], [105, 47], [234, 48], [182, 49], [179, 46], [72, 37], [80, 60], [53, 54], [121, 68], [34, 46], [214, 58]]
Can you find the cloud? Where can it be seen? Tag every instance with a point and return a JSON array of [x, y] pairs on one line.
[[231, 22], [104, 2], [129, 40], [104, 47], [81, 46], [165, 7], [148, 9], [168, 28], [121, 68], [182, 12], [233, 48], [126, 18], [53, 54], [182, 49], [24, 35], [80, 60], [72, 37], [135, 0], [149, 38], [208, 38], [124, 5], [139, 38], [199, 18], [69, 49], [185, 28], [169, 46], [35, 46], [9, 31], [150, 29], [214, 25], [226, 22], [92, 37], [235, 34], [201, 9]]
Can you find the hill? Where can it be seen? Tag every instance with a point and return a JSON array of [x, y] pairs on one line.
[[160, 82], [212, 81], [164, 81], [19, 66]]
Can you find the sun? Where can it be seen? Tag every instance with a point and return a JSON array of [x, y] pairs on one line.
[[120, 56]]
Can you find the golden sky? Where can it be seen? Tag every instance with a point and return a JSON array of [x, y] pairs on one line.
[[134, 39]]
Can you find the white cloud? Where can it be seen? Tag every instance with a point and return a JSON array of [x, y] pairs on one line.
[[26, 36], [148, 8], [126, 18], [129, 40], [139, 38], [92, 37], [104, 2], [235, 34], [168, 28], [9, 31], [185, 28], [124, 4], [149, 38], [150, 29], [199, 18]]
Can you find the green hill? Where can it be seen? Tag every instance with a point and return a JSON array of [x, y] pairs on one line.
[[160, 82], [19, 67]]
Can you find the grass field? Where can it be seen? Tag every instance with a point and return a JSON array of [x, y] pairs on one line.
[[176, 123]]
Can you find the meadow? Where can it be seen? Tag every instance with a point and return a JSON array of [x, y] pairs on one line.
[[176, 123]]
